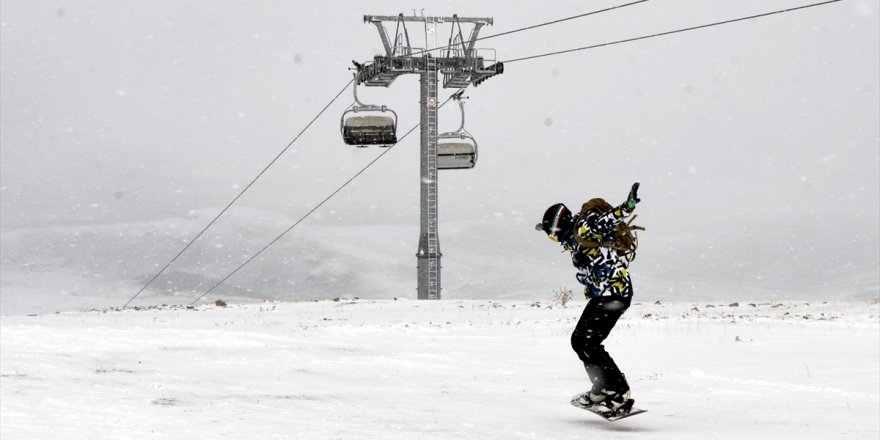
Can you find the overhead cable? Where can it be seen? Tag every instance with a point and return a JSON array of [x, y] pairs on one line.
[[561, 20], [645, 37], [573, 17], [311, 211], [247, 187]]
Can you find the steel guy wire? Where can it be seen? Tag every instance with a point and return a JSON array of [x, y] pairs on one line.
[[645, 37], [561, 20], [311, 211], [573, 17], [214, 220]]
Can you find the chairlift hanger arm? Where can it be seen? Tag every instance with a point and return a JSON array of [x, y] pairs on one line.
[[354, 88], [461, 107]]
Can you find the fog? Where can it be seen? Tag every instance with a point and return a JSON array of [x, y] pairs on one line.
[[125, 127]]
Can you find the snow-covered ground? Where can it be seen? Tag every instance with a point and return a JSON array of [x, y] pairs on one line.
[[406, 369]]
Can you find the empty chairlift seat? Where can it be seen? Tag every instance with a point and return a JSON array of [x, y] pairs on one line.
[[459, 154], [457, 150], [364, 125], [370, 130]]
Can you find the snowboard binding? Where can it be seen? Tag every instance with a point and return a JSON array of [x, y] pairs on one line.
[[605, 409]]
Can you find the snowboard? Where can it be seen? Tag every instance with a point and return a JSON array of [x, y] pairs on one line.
[[608, 415]]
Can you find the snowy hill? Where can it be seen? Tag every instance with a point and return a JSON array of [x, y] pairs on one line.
[[363, 369], [96, 266], [79, 267]]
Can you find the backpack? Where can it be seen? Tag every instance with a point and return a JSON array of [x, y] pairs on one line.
[[624, 239]]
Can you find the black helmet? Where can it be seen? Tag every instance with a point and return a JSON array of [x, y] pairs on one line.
[[557, 219]]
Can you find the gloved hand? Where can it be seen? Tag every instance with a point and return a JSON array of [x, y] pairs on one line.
[[632, 198]]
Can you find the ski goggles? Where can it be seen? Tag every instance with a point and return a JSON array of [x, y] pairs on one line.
[[552, 237]]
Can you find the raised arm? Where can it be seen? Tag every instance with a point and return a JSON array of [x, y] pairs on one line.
[[607, 222]]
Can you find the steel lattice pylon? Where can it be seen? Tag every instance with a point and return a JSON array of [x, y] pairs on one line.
[[461, 65]]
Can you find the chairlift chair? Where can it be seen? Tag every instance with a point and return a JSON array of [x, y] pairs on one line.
[[373, 127], [456, 150]]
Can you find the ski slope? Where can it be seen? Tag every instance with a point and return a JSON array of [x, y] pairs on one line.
[[406, 369]]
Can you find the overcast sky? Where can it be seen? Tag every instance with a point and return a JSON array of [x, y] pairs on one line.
[[757, 143]]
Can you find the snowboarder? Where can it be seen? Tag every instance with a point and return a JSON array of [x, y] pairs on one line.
[[602, 246]]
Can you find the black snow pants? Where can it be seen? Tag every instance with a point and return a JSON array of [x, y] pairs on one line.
[[599, 317]]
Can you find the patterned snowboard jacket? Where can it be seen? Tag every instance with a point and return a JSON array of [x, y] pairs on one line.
[[602, 270]]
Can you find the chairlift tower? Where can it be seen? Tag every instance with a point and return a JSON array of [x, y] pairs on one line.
[[461, 65]]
